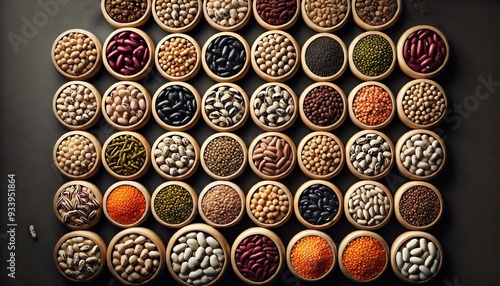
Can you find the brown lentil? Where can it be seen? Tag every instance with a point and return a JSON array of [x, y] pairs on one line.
[[275, 54], [424, 103], [177, 56], [125, 105], [76, 155], [173, 204], [223, 156], [321, 155], [323, 105], [269, 204], [311, 257], [364, 258], [77, 205], [76, 104], [227, 13], [326, 13], [176, 13], [419, 206], [126, 11], [376, 12], [372, 105], [76, 53], [125, 155], [221, 204]]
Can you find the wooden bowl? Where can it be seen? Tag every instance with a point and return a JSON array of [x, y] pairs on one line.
[[208, 230], [62, 101], [324, 28], [261, 96], [325, 57], [116, 24], [399, 151], [351, 165], [63, 245], [206, 66], [157, 107], [307, 121], [109, 152], [269, 26], [252, 232], [405, 238], [349, 204], [218, 121], [213, 173], [136, 231], [275, 78], [175, 176], [296, 204], [403, 49], [205, 216], [66, 199], [403, 92], [359, 74], [362, 124], [58, 154], [250, 197], [171, 27], [108, 109], [255, 158], [310, 233], [306, 168], [355, 235], [227, 27], [160, 48], [397, 200], [370, 27], [59, 63], [163, 186], [148, 55], [137, 186]]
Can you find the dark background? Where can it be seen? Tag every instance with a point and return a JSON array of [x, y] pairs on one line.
[[469, 183]]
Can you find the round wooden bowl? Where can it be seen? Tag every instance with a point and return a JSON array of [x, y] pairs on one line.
[[86, 235], [314, 233], [211, 172], [250, 232], [138, 231], [57, 106], [205, 216], [227, 27], [307, 121], [136, 185], [208, 230], [269, 26], [307, 69], [355, 69], [348, 200], [59, 65], [93, 143], [353, 95], [161, 48], [369, 27], [254, 189], [137, 23], [296, 204], [171, 28], [109, 151], [352, 236], [61, 208], [323, 28], [194, 198], [401, 143]]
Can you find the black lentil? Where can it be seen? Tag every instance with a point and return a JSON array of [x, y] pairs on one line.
[[176, 105], [419, 206], [323, 105], [125, 155], [324, 56], [372, 55], [223, 156], [173, 204], [318, 204], [225, 56]]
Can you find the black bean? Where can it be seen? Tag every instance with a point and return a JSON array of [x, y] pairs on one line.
[[225, 56], [176, 105], [318, 204]]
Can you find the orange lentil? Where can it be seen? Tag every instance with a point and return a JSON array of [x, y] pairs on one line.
[[311, 257], [126, 204], [372, 105], [364, 258]]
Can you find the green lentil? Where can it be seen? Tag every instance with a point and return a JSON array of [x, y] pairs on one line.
[[223, 156], [173, 204], [125, 155], [372, 55]]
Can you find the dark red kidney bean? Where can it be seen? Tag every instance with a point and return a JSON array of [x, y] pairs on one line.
[[176, 105], [276, 12], [127, 53], [257, 265], [424, 51]]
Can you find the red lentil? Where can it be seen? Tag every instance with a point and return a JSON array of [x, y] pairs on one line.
[[364, 258], [311, 257], [372, 105], [126, 204]]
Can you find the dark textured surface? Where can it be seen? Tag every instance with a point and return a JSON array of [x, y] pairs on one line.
[[468, 230]]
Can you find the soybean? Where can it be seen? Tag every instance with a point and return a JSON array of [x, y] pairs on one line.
[[424, 103], [76, 53], [276, 54], [269, 204], [76, 155], [177, 56], [176, 14], [321, 155]]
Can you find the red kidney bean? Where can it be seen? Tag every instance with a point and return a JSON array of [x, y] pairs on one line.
[[424, 51], [276, 12], [257, 258], [127, 53]]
